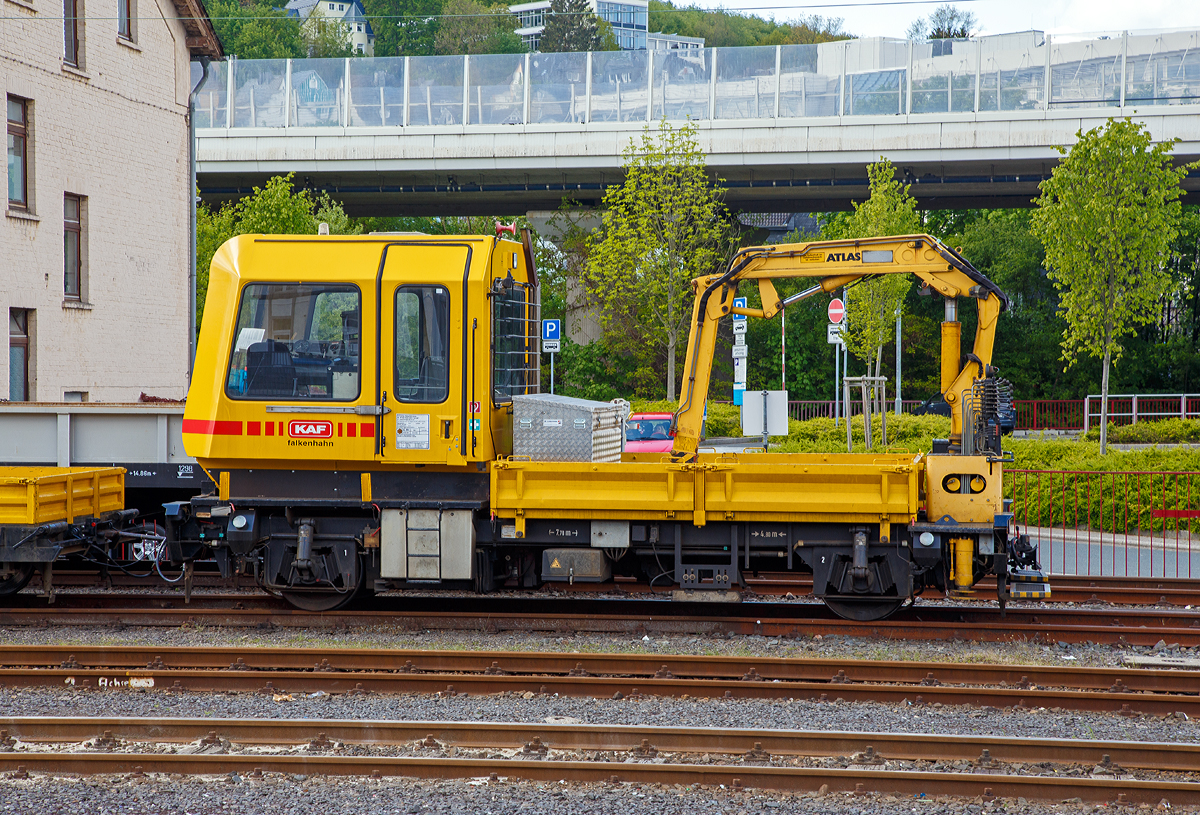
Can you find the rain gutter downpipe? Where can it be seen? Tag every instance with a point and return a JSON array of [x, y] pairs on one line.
[[191, 118]]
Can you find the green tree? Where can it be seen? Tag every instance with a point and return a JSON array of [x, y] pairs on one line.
[[1107, 216], [274, 209], [724, 29], [944, 23], [325, 38], [470, 27], [404, 28], [608, 36], [663, 227], [570, 26], [873, 304], [256, 30]]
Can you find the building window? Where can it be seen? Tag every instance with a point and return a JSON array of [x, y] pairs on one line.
[[18, 152], [532, 18], [361, 48], [73, 247], [125, 18], [331, 6], [18, 354], [341, 6], [71, 32]]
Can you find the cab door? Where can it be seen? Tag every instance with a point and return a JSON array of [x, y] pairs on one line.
[[421, 296]]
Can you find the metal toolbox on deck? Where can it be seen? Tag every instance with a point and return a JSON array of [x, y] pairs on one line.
[[561, 428]]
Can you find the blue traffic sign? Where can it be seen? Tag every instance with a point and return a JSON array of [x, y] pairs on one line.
[[551, 329], [739, 302]]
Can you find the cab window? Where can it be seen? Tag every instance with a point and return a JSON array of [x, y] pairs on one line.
[[296, 342], [422, 369]]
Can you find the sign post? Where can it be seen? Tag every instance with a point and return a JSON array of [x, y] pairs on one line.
[[899, 404], [740, 351], [551, 340], [833, 335]]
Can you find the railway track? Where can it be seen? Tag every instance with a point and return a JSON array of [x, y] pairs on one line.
[[1066, 588], [1126, 691], [1094, 771], [625, 615]]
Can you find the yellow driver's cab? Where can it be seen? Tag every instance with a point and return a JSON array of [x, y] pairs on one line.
[[377, 371], [362, 351]]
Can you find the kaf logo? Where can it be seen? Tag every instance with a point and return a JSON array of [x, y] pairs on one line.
[[308, 429]]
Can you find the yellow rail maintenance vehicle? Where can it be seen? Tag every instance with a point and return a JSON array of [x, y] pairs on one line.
[[367, 408]]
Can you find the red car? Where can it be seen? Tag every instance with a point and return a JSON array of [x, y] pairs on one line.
[[649, 433]]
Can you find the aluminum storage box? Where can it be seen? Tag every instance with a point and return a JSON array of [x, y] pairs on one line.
[[561, 428]]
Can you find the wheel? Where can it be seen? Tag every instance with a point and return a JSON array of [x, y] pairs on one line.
[[318, 600], [864, 610], [14, 576]]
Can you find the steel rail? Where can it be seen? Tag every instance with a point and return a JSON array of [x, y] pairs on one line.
[[904, 782], [214, 681], [833, 672], [1067, 588], [1105, 626], [638, 740]]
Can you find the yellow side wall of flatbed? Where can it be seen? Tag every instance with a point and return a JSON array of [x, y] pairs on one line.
[[36, 495], [782, 488]]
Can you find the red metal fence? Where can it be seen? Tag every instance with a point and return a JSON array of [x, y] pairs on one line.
[[1132, 408], [1049, 414], [1124, 524]]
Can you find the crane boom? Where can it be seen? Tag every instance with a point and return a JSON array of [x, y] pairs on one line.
[[832, 265]]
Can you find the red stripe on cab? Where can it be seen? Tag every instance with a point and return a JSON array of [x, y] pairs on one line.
[[368, 430], [208, 427], [253, 428]]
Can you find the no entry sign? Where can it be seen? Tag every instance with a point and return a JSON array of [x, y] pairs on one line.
[[837, 310]]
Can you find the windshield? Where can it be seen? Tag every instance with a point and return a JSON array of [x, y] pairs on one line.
[[648, 430], [296, 341]]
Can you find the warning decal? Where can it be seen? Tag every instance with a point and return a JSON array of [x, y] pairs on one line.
[[412, 431]]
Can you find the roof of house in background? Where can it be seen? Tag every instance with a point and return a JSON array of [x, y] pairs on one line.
[[202, 39]]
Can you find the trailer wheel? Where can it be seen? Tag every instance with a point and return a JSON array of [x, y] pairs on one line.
[[868, 609], [318, 600], [14, 576]]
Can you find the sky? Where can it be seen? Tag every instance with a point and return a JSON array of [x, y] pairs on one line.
[[994, 16]]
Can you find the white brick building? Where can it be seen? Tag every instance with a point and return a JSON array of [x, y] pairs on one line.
[[94, 242]]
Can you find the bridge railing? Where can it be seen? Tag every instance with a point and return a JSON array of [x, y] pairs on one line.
[[1028, 71]]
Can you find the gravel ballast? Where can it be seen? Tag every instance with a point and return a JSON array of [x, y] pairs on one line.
[[287, 794], [298, 795], [650, 710]]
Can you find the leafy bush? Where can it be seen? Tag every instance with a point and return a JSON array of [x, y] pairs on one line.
[[1163, 431]]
